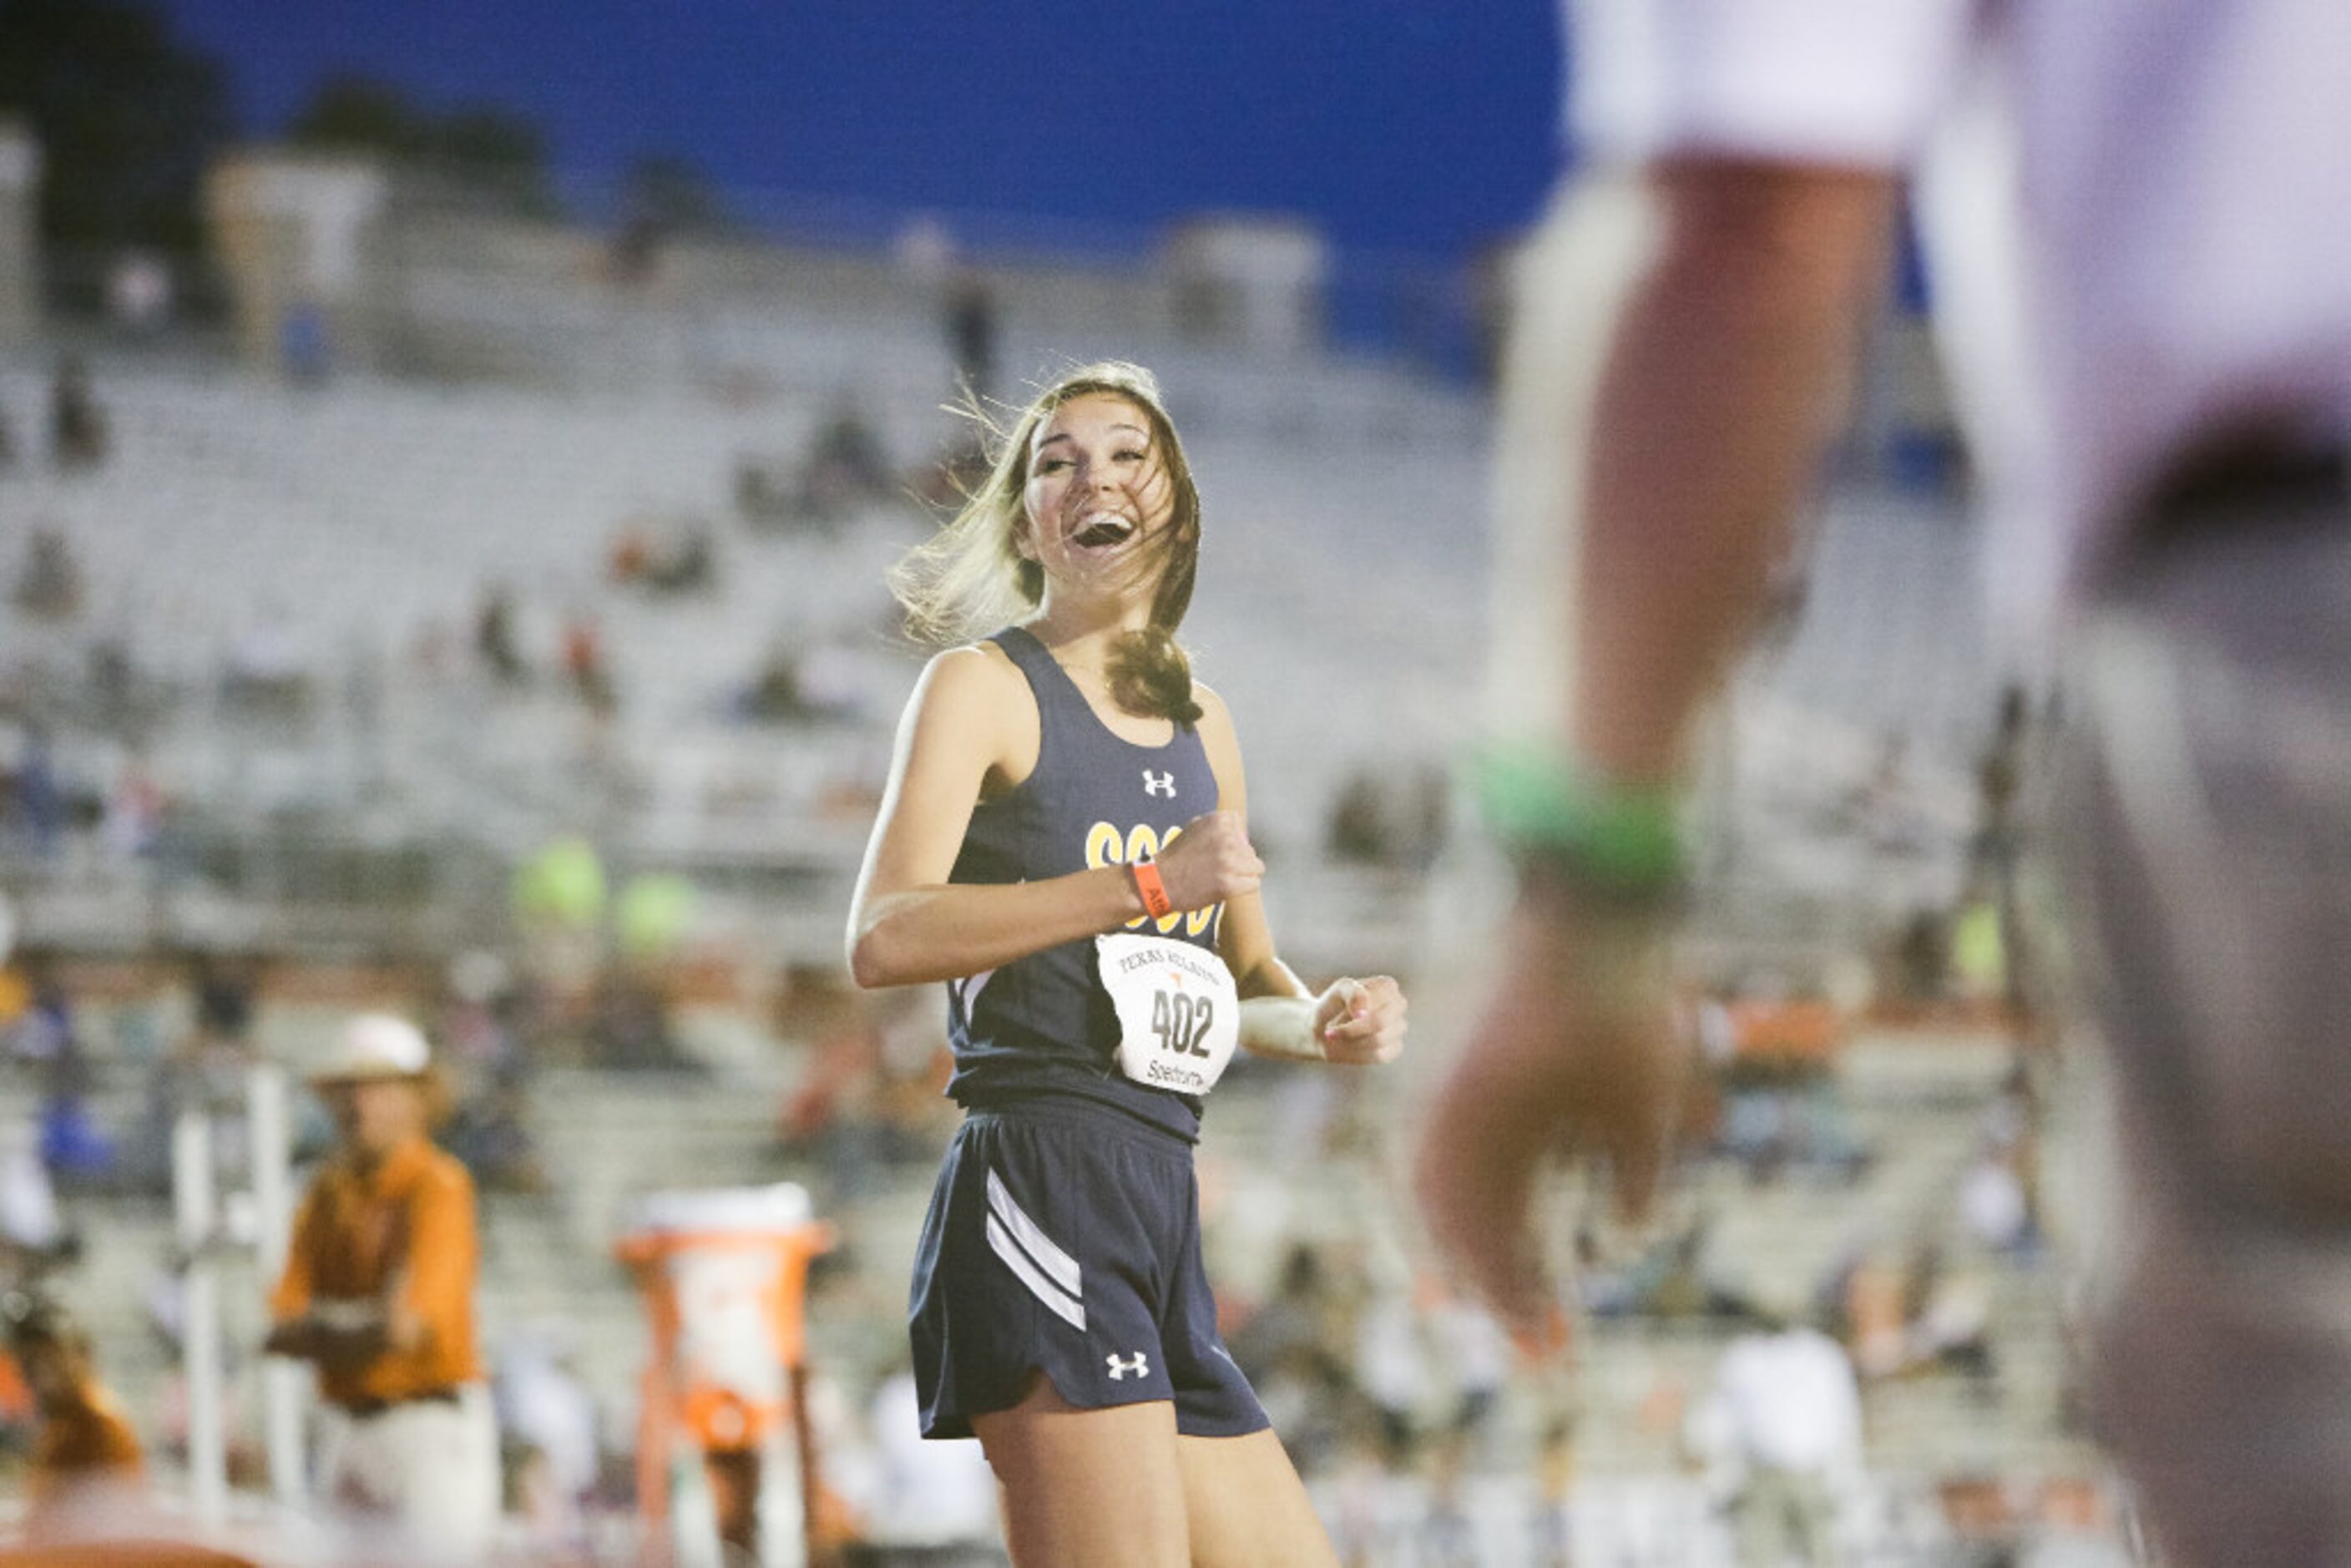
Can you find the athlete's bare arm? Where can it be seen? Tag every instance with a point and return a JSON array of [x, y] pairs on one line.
[[1350, 1022], [971, 726]]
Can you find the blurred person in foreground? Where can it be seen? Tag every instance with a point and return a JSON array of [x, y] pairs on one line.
[[377, 1293], [87, 1461], [2181, 250], [1064, 840]]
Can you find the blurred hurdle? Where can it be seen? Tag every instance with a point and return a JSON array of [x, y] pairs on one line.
[[209, 1224]]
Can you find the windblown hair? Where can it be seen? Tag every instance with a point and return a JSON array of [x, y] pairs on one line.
[[969, 579]]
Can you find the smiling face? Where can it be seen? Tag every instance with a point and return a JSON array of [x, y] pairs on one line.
[[1098, 498]]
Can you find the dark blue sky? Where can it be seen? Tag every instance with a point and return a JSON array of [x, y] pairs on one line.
[[1417, 126]]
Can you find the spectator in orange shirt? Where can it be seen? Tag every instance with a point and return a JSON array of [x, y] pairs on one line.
[[379, 1293], [86, 1447]]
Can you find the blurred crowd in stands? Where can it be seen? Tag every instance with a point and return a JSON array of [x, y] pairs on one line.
[[1386, 1388], [78, 438], [1396, 1395]]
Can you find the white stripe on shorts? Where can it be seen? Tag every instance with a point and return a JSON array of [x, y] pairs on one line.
[[968, 990], [1041, 1264], [1067, 1308]]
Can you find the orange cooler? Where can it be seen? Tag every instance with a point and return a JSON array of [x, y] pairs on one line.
[[724, 1274]]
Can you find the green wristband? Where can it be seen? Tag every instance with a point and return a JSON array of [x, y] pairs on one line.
[[1623, 845]]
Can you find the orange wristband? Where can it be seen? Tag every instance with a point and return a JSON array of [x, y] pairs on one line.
[[1154, 891]]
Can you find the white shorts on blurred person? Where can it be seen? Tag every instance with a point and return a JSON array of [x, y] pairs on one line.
[[429, 1467]]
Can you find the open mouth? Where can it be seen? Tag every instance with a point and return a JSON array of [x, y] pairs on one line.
[[1103, 531]]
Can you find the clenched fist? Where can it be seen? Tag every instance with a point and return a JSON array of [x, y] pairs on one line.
[[1209, 862], [1360, 1022]]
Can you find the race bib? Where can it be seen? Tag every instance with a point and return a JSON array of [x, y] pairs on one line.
[[1179, 1014]]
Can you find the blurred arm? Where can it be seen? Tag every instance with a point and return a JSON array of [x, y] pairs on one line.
[[1725, 378], [301, 1333], [436, 1285], [291, 1297], [1721, 378], [291, 1331]]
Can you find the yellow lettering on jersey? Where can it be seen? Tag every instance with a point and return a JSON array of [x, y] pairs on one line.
[[1105, 845]]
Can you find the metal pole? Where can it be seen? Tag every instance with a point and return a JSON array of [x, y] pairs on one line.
[[792, 1483], [192, 1191], [283, 1381]]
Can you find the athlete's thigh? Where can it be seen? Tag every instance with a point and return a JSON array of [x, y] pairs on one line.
[[1245, 1508], [1085, 1487]]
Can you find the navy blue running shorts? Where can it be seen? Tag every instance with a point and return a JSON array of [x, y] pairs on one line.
[[1064, 1237]]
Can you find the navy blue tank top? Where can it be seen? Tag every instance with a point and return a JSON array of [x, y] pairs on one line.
[[1044, 1024]]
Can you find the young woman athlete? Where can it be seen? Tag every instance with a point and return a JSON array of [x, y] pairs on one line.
[[1064, 841]]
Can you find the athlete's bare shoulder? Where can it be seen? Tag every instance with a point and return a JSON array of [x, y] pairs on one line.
[[976, 693], [1216, 718], [972, 671], [1222, 744]]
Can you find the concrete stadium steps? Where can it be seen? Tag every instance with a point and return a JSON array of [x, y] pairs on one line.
[[609, 1138], [128, 1244], [1338, 614], [365, 501], [343, 519], [351, 516]]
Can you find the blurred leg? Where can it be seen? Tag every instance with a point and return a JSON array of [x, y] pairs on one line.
[[2206, 816], [442, 1479], [734, 1475]]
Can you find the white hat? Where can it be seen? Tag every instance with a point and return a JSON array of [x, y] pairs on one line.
[[374, 1045]]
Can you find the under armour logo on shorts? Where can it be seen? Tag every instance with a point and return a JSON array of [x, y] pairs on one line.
[[1137, 1364], [1159, 783]]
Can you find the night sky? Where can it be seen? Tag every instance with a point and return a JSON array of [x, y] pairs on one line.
[[1419, 127]]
